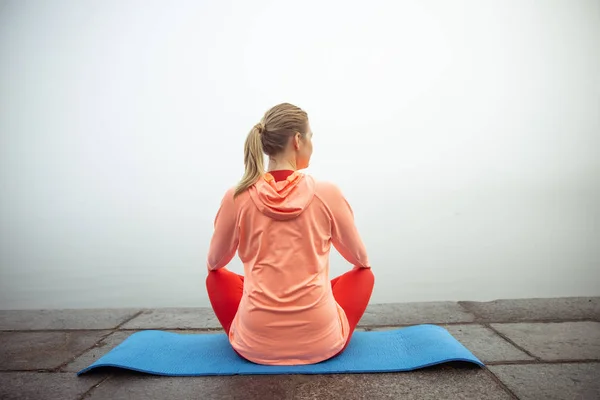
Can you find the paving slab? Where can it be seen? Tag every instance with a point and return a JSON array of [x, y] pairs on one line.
[[436, 383], [483, 342], [45, 385], [414, 313], [175, 318], [100, 349], [43, 350], [556, 340], [566, 308], [63, 319], [551, 381], [106, 345]]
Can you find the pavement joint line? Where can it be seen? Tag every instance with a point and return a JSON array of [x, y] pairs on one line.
[[535, 321], [543, 362], [33, 370], [375, 326], [78, 354], [461, 304], [500, 383], [90, 390], [464, 306], [482, 322], [54, 330], [366, 327], [481, 319], [111, 331], [506, 338], [137, 314], [454, 323], [203, 330]]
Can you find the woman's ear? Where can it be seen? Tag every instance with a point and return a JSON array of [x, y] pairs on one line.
[[297, 141]]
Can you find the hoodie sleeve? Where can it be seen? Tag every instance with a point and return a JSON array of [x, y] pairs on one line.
[[225, 239], [344, 233]]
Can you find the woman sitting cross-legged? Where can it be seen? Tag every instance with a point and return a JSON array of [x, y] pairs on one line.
[[284, 310]]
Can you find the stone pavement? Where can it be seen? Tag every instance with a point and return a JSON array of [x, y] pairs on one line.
[[533, 349]]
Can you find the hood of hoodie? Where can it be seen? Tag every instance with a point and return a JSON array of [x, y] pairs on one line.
[[285, 199]]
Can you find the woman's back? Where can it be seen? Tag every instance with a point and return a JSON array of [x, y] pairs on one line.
[[283, 231]]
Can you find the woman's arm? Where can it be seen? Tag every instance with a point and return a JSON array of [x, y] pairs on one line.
[[225, 239], [344, 233]]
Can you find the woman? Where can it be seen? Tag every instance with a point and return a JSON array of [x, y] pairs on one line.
[[284, 310]]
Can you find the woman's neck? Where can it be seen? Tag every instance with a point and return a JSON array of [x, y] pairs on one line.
[[274, 165]]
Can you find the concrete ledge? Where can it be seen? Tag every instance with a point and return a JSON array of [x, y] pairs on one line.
[[414, 313], [565, 309], [64, 319], [533, 348], [175, 318]]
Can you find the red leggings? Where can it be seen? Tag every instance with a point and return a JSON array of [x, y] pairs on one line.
[[351, 290]]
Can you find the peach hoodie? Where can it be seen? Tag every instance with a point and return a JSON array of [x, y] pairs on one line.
[[283, 233]]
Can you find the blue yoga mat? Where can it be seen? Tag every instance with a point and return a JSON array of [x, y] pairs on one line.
[[175, 354]]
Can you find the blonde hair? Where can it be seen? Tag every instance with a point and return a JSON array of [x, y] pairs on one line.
[[270, 136]]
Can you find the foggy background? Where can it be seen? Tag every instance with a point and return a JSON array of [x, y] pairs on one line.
[[465, 135]]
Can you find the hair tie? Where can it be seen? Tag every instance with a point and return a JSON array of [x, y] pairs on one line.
[[261, 128]]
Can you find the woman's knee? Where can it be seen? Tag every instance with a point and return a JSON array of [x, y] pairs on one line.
[[212, 275], [365, 275], [223, 278], [215, 278], [221, 273]]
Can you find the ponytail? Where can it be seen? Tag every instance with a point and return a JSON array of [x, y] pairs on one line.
[[253, 160], [283, 121]]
